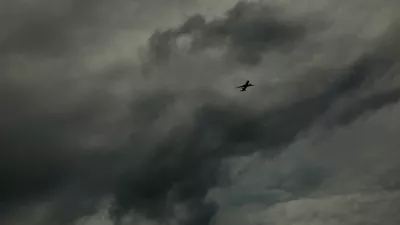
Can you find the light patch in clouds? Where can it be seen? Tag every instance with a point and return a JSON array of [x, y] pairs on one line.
[[374, 208]]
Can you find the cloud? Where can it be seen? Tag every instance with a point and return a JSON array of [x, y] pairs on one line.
[[248, 30], [347, 209], [353, 160], [222, 131], [80, 128]]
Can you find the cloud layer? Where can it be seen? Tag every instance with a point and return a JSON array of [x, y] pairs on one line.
[[112, 116]]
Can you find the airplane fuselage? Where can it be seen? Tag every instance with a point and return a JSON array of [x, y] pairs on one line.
[[245, 86]]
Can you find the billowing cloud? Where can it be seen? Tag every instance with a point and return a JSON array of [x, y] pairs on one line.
[[248, 30], [90, 134]]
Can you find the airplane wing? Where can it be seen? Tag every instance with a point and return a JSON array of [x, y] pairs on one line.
[[241, 86]]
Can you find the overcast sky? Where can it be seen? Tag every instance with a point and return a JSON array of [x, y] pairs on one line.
[[126, 112]]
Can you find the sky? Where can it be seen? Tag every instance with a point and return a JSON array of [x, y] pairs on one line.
[[127, 113]]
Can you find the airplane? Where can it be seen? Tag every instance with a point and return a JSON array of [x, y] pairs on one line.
[[246, 85]]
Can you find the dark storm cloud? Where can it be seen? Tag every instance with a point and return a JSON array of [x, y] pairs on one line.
[[153, 173], [186, 163], [42, 27], [36, 153], [363, 74], [248, 29], [368, 104]]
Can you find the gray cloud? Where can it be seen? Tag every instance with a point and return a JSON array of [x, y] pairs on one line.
[[72, 142], [192, 150], [248, 29], [44, 27]]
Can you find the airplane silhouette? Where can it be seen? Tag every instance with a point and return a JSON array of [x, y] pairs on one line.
[[246, 85]]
